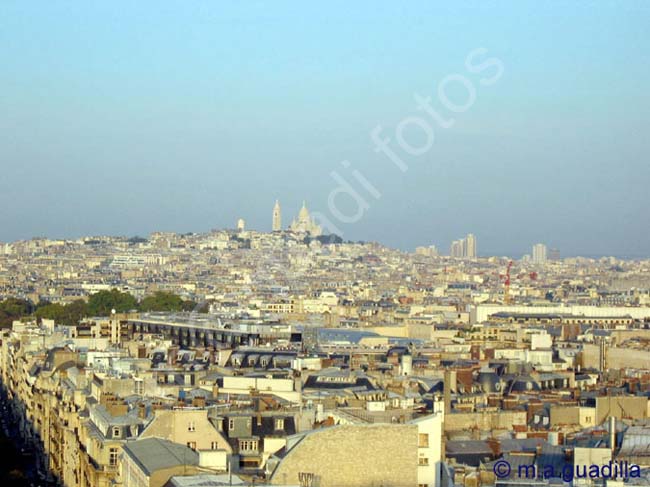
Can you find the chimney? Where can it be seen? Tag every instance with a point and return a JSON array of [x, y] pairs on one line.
[[142, 411], [447, 391], [495, 446]]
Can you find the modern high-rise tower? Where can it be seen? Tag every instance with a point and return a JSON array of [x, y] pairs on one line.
[[277, 217], [470, 246], [457, 249], [465, 248], [539, 253]]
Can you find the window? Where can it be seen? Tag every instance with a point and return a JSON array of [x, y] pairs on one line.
[[423, 440], [214, 445], [423, 461], [116, 432], [279, 424], [248, 445], [231, 424], [191, 426], [112, 456], [191, 444]]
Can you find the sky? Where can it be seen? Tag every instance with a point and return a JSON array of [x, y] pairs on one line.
[[123, 118]]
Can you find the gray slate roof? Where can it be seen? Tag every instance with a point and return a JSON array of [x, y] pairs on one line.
[[153, 454]]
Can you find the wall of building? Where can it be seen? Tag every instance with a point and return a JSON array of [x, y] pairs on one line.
[[430, 447], [619, 358], [584, 458], [354, 456], [573, 415], [186, 426], [480, 313], [625, 407], [484, 420]]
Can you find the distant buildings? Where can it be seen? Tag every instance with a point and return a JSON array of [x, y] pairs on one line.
[[430, 251], [539, 254], [277, 217], [318, 364], [470, 246], [464, 248], [456, 249], [304, 223]]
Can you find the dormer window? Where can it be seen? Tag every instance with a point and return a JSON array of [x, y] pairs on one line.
[[279, 424], [248, 445], [117, 432]]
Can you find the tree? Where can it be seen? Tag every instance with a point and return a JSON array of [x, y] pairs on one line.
[[51, 311], [162, 301], [75, 311], [137, 240], [69, 314], [166, 301], [103, 302], [189, 305], [13, 309]]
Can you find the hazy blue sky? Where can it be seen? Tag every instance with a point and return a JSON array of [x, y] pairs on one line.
[[130, 117]]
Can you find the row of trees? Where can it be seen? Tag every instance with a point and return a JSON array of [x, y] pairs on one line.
[[99, 304]]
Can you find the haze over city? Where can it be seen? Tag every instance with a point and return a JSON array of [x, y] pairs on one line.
[[153, 117]]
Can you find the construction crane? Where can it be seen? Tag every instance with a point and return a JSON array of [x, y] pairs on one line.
[[506, 289]]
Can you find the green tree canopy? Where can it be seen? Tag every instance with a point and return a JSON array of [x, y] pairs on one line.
[[103, 302], [51, 311], [69, 314], [13, 309], [165, 301], [75, 311]]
